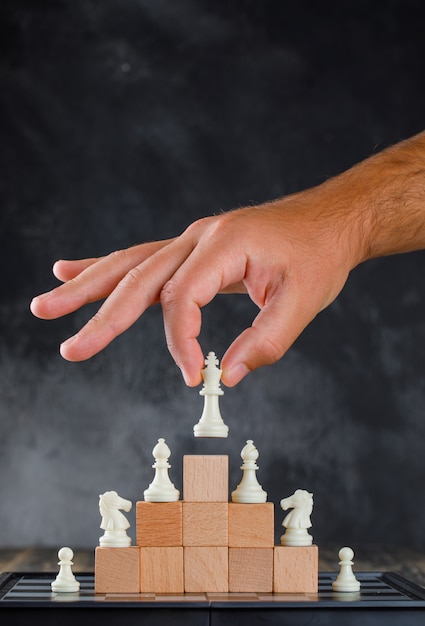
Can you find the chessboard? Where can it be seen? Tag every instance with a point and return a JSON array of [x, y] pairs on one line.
[[384, 598]]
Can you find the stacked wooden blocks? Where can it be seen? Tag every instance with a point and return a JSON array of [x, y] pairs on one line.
[[205, 544]]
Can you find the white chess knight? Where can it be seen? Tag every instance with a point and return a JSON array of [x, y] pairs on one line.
[[65, 581], [211, 423], [346, 581], [114, 523], [161, 489], [298, 520], [249, 490]]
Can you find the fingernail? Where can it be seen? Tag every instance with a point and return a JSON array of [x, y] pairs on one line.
[[191, 380], [36, 301], [65, 344], [42, 296], [235, 374], [185, 378]]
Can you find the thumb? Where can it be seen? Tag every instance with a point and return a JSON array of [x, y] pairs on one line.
[[273, 331]]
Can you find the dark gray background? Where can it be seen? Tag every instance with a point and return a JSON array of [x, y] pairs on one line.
[[125, 120]]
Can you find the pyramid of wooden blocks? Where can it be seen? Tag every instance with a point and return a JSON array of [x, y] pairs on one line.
[[204, 543]]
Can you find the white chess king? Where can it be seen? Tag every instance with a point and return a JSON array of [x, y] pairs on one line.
[[211, 423]]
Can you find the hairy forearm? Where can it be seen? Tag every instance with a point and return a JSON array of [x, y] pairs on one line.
[[384, 197]]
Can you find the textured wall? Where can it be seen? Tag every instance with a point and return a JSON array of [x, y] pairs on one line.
[[123, 121]]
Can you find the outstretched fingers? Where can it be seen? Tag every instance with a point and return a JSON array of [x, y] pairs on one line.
[[138, 290], [89, 280], [129, 290]]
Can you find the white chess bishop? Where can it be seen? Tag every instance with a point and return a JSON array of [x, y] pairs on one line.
[[211, 423], [161, 488], [249, 490]]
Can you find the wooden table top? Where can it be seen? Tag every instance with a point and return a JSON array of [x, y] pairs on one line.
[[404, 561]]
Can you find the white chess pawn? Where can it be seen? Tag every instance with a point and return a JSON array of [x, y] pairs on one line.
[[65, 581], [211, 423], [346, 581], [161, 488], [249, 490]]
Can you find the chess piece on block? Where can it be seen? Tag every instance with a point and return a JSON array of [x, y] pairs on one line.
[[251, 525], [206, 478], [117, 570], [205, 524], [161, 488], [296, 569], [211, 423], [161, 570], [65, 581], [249, 490], [206, 569], [114, 523], [251, 570], [298, 520], [346, 580], [159, 524]]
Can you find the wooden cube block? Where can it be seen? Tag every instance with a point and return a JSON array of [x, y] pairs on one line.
[[251, 525], [251, 570], [296, 569], [117, 570], [205, 524], [206, 478], [159, 524], [206, 569], [161, 570]]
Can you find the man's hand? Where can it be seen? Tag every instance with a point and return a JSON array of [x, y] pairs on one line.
[[291, 256]]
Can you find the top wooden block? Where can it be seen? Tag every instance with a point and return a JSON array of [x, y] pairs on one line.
[[206, 478]]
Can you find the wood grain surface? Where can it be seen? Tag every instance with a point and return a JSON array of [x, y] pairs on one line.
[[369, 558]]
